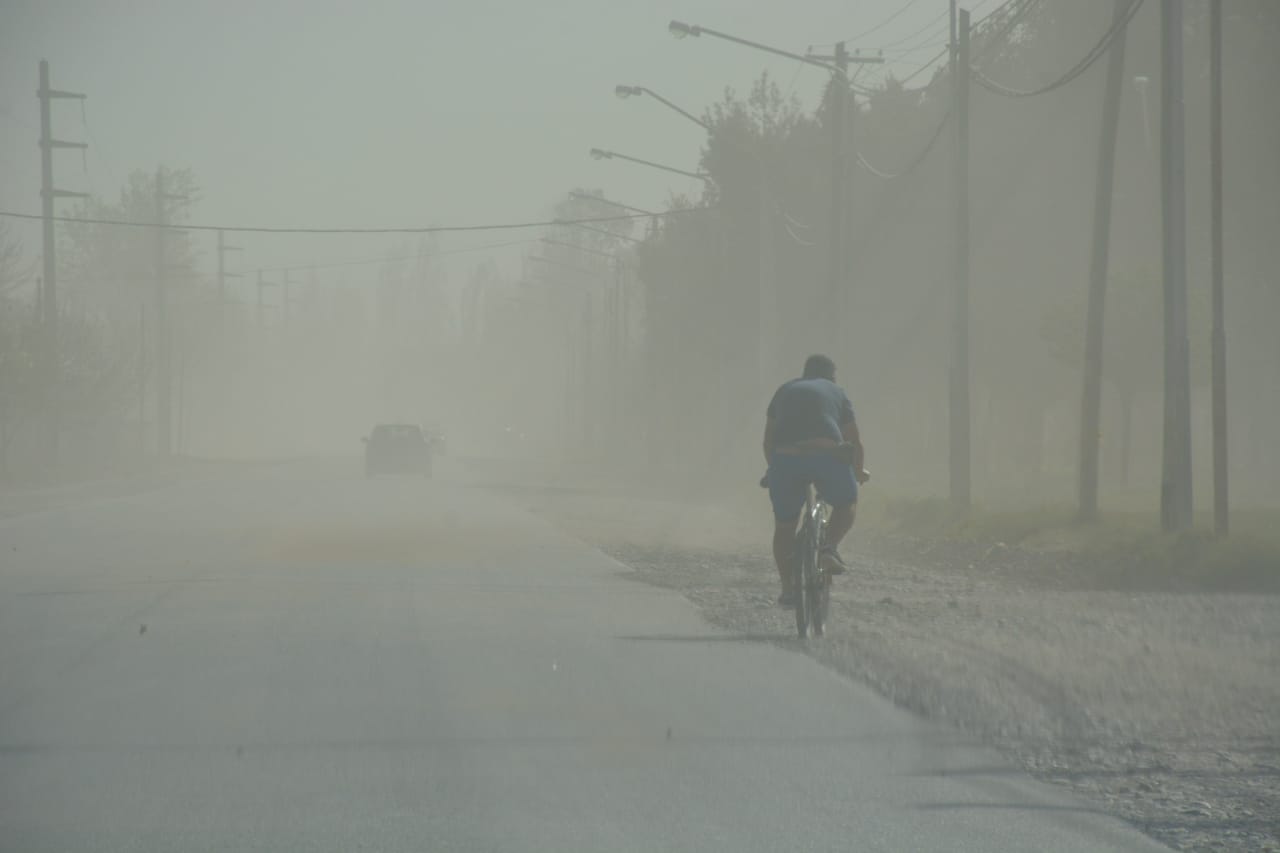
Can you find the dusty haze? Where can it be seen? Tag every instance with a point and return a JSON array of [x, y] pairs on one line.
[[297, 225], [313, 115]]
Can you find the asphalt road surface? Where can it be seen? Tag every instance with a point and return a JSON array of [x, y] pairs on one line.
[[299, 659]]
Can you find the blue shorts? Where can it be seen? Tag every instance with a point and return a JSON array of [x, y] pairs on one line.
[[790, 476]]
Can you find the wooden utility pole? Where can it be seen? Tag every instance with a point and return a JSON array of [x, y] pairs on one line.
[[1091, 404], [839, 174], [960, 472], [1175, 486], [838, 255], [261, 284], [164, 331], [49, 281], [164, 423], [142, 380], [284, 299], [181, 431], [1220, 494], [223, 275]]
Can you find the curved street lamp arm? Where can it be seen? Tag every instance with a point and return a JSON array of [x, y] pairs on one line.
[[651, 164], [685, 29], [690, 116]]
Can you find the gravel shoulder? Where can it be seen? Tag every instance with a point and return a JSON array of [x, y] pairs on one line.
[[1159, 706]]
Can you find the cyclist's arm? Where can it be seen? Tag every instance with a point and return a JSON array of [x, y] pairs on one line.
[[850, 434], [769, 426]]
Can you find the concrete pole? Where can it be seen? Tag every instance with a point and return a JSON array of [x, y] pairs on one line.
[[1091, 404], [1175, 487], [959, 421], [1219, 343]]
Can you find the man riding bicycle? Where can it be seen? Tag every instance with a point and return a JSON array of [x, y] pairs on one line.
[[811, 437]]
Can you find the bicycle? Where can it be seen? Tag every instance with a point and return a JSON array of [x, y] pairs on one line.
[[813, 582]]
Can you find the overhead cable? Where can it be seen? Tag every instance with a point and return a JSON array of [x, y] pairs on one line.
[[1096, 53], [886, 22], [1014, 8], [915, 162], [426, 229]]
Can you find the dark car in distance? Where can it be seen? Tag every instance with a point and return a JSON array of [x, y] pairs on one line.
[[397, 449]]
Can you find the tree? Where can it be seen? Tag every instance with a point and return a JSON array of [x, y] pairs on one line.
[[113, 268], [18, 342], [15, 273]]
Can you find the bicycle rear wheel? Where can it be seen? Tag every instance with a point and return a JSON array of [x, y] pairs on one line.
[[806, 571], [821, 603]]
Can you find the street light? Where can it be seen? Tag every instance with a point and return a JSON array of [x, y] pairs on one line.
[[603, 154], [625, 92], [681, 30], [838, 66], [766, 308]]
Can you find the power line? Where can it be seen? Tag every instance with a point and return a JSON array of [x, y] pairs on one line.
[[914, 74], [932, 39], [915, 162], [332, 265], [371, 260], [1096, 53], [886, 22], [907, 38], [427, 229], [1011, 18], [1021, 7]]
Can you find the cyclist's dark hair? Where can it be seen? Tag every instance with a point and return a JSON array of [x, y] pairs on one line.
[[819, 367]]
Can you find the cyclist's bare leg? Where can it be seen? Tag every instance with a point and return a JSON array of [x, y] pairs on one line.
[[840, 523], [784, 549]]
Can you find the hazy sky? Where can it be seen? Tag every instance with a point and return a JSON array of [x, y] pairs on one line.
[[395, 112]]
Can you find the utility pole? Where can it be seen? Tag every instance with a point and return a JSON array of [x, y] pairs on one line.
[[1175, 486], [164, 333], [1220, 494], [625, 373], [164, 435], [223, 275], [960, 481], [588, 395], [49, 282], [841, 116], [284, 299], [180, 433], [261, 285], [839, 174], [767, 319], [142, 380], [1091, 405], [313, 293]]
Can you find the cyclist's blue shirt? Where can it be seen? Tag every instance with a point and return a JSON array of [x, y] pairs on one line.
[[804, 409]]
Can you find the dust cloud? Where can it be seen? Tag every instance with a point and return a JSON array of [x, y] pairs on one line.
[[638, 343]]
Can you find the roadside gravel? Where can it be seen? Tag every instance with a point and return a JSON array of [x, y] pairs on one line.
[[1159, 706]]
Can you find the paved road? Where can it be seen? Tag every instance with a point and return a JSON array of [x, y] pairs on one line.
[[300, 659]]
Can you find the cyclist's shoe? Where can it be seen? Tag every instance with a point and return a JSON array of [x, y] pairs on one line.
[[788, 597], [831, 561]]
